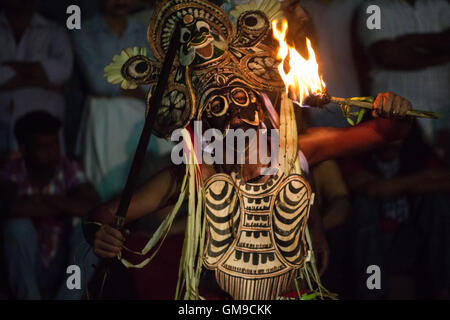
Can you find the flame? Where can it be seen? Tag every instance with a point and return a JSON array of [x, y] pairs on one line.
[[302, 79]]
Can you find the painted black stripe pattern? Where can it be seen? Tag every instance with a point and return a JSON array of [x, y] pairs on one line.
[[289, 219], [222, 207]]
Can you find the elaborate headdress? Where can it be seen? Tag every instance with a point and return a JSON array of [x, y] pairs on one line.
[[217, 66]]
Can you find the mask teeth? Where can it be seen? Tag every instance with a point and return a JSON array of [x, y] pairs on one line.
[[254, 122]]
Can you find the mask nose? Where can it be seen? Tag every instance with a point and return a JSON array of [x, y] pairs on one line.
[[249, 115]]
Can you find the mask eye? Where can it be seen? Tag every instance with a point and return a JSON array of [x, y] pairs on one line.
[[138, 69], [203, 27], [218, 106], [185, 35], [240, 97], [254, 20]]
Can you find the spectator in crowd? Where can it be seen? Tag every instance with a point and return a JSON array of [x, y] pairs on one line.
[[42, 192], [35, 63], [332, 194], [113, 118], [332, 200], [411, 54], [103, 36], [401, 218]]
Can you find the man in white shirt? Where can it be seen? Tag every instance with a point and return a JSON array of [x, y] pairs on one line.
[[411, 54], [113, 118], [35, 62]]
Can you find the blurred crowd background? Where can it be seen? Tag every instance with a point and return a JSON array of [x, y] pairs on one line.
[[67, 138]]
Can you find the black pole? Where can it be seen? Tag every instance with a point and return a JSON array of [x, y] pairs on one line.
[[155, 103]]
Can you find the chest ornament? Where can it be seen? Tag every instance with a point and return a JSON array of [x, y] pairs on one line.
[[256, 233]]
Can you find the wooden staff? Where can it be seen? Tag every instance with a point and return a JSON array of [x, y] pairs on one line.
[[155, 103]]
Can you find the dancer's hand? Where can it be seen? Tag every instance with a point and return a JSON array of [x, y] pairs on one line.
[[391, 106], [108, 242]]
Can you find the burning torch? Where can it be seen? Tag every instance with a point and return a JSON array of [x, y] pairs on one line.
[[306, 87]]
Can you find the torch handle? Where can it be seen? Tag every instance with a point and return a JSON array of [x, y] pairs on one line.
[[369, 106]]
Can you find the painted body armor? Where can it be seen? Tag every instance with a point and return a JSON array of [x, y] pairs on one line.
[[256, 233]]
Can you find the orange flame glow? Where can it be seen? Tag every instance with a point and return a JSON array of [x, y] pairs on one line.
[[303, 77]]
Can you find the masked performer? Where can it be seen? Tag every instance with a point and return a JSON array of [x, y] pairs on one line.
[[247, 226]]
